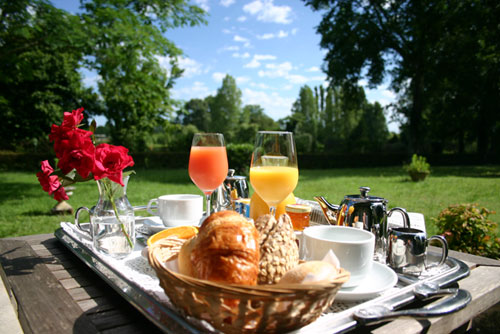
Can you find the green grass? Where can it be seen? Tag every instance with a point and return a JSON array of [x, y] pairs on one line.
[[25, 207]]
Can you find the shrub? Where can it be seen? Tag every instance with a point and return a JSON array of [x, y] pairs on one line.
[[419, 168], [467, 228]]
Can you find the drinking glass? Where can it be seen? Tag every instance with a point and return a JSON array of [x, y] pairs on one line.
[[273, 170], [208, 163]]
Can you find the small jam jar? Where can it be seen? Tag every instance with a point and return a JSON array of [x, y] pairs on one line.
[[299, 214]]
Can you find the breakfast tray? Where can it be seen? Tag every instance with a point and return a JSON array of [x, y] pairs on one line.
[[338, 318]]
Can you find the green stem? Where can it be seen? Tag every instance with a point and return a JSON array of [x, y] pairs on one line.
[[115, 209]]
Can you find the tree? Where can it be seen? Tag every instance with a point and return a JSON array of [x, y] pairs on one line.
[[39, 57], [305, 110], [197, 112], [124, 43], [434, 51], [42, 48], [225, 108], [371, 133]]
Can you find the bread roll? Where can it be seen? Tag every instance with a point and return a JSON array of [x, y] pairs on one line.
[[185, 266], [279, 251], [312, 272], [226, 249]]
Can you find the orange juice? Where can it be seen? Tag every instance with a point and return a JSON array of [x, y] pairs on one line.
[[274, 183], [208, 167]]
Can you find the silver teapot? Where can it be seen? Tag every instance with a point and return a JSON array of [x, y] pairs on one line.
[[366, 212], [233, 187]]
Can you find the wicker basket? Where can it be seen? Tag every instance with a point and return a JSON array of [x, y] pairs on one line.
[[246, 309]]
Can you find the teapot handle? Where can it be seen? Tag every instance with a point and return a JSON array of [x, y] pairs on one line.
[[406, 218]]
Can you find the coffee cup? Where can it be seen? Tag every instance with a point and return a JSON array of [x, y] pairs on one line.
[[177, 209], [353, 247], [407, 250]]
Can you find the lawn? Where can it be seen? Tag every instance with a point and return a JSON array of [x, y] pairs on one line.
[[25, 208]]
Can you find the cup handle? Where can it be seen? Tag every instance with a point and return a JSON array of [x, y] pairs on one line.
[[77, 219], [444, 244], [150, 206]]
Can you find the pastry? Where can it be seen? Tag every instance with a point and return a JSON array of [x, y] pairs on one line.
[[226, 249]]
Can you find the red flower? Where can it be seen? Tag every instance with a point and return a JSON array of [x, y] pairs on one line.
[[60, 135], [110, 161], [72, 119], [60, 194], [50, 183], [78, 153]]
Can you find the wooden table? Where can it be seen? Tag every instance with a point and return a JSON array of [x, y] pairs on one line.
[[52, 291]]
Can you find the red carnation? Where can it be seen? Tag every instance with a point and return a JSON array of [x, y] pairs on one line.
[[110, 161], [79, 154]]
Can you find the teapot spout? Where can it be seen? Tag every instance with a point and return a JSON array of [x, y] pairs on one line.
[[329, 210]]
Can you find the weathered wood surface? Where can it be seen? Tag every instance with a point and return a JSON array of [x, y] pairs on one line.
[[54, 292]]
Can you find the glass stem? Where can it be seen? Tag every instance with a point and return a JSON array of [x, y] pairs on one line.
[[209, 209], [272, 211]]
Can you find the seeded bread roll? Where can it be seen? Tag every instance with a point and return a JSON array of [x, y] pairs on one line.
[[279, 251], [226, 250]]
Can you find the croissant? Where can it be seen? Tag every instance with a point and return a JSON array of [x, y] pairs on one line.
[[226, 250]]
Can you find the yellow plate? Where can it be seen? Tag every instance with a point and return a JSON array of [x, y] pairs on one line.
[[182, 232]]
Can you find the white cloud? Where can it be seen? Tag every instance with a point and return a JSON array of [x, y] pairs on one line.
[[260, 85], [252, 64], [241, 55], [265, 36], [276, 70], [266, 11], [279, 34], [297, 79], [241, 19], [244, 40], [282, 34], [226, 3], [275, 105], [190, 66], [255, 62], [230, 48], [218, 76], [242, 80], [226, 31], [197, 90], [238, 38], [264, 57], [313, 69], [203, 4]]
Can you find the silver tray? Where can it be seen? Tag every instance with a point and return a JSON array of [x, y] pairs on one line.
[[337, 319]]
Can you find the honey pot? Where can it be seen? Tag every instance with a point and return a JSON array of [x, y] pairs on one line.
[[299, 214]]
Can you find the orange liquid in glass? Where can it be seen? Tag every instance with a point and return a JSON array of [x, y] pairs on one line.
[[208, 167]]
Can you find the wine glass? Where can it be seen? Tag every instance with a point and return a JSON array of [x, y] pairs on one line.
[[273, 170], [208, 163]]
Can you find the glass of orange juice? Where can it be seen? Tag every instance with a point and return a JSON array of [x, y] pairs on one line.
[[273, 170], [208, 163]]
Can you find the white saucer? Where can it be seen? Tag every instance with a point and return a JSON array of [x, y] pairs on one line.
[[154, 224], [380, 279]]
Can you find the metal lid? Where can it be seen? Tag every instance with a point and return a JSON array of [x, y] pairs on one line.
[[363, 198]]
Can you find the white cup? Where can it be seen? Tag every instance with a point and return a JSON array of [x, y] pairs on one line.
[[178, 209], [353, 247]]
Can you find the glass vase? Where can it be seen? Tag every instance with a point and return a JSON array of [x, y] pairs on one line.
[[112, 221]]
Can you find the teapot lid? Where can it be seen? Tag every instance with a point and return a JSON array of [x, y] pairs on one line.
[[364, 198]]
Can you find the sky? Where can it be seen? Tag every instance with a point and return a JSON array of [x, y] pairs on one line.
[[270, 47]]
